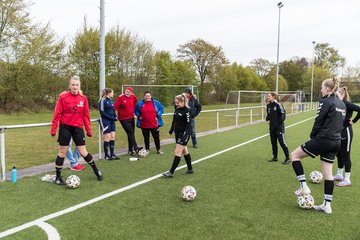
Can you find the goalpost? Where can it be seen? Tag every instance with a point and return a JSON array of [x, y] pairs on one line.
[[164, 93], [252, 98], [249, 98], [240, 97]]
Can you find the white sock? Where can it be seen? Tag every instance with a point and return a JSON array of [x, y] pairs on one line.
[[340, 171], [327, 203], [327, 199], [347, 177], [303, 184]]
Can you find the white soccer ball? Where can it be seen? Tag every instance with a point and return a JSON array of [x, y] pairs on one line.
[[188, 193], [73, 181], [143, 153], [316, 176], [306, 201]]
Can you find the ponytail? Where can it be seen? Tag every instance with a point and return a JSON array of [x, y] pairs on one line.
[[336, 85], [333, 84], [183, 99], [105, 92], [345, 92]]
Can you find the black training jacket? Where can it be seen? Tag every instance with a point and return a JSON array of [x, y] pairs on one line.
[[275, 114], [329, 119], [181, 120], [195, 106], [350, 108]]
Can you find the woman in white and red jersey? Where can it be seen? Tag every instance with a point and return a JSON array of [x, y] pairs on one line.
[[72, 112]]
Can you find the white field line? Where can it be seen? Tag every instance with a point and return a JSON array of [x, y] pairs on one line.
[[107, 195], [51, 232]]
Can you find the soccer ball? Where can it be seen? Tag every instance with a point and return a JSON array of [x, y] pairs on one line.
[[316, 176], [73, 181], [188, 193], [306, 201], [143, 153]]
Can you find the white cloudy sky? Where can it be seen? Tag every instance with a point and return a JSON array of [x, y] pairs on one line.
[[245, 29]]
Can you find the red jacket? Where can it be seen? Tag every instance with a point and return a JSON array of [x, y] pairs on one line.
[[125, 106], [72, 110]]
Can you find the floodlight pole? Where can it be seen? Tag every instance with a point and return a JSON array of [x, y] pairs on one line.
[[280, 5], [312, 72], [102, 46], [102, 60]]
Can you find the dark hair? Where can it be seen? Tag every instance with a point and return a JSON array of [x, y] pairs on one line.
[[146, 92], [274, 95], [188, 90], [105, 92]]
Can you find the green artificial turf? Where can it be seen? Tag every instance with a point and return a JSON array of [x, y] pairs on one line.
[[239, 196]]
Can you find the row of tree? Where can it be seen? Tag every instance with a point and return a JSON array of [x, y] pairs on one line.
[[35, 64]]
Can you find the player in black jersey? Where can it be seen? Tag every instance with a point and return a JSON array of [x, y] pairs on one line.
[[324, 141], [343, 155], [195, 109], [276, 116], [181, 125]]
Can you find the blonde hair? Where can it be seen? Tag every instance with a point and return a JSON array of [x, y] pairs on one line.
[[76, 78], [344, 91], [332, 83], [183, 99]]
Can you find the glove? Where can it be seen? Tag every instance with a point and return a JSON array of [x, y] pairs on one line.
[[171, 132], [89, 134], [52, 132]]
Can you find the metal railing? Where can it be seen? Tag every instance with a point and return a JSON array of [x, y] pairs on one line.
[[303, 107], [295, 108], [2, 141]]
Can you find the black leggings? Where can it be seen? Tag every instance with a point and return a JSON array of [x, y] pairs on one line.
[[278, 135], [343, 155], [155, 132], [129, 127]]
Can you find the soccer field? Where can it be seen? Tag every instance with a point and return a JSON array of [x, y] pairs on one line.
[[240, 196]]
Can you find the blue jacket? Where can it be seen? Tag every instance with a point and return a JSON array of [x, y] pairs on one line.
[[106, 109], [159, 108]]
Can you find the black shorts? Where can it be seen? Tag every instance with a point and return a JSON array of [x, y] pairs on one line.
[[107, 126], [67, 132], [326, 148], [182, 138]]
